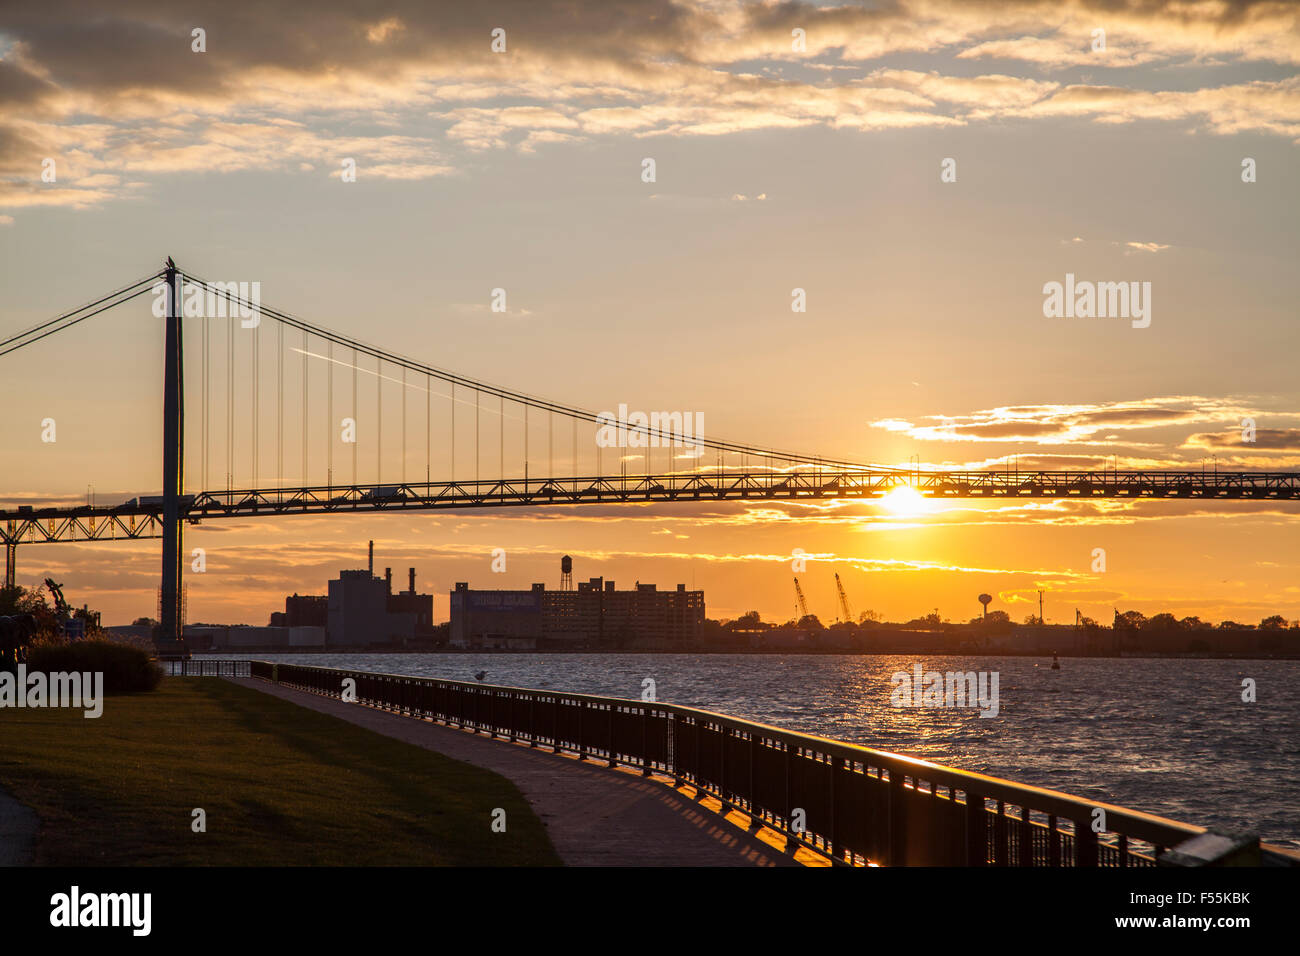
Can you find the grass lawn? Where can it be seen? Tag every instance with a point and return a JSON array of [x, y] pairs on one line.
[[281, 785]]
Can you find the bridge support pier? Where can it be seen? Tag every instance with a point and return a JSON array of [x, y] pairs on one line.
[[11, 563], [169, 640]]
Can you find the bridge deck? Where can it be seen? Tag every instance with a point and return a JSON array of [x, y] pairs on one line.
[[142, 517], [593, 815]]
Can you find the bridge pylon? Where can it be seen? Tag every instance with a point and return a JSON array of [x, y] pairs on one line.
[[169, 640]]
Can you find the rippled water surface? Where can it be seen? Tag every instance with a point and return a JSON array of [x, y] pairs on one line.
[[1170, 737]]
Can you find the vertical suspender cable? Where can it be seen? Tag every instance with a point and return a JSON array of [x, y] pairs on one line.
[[305, 432], [230, 402], [279, 409], [257, 393], [329, 416], [207, 386], [355, 416], [403, 424]]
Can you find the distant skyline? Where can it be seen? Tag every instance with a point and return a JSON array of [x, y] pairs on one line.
[[924, 343]]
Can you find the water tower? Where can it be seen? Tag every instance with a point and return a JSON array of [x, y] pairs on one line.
[[566, 573], [985, 599]]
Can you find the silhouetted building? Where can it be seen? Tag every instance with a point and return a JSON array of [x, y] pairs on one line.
[[594, 615], [420, 606], [496, 619], [363, 610], [302, 610]]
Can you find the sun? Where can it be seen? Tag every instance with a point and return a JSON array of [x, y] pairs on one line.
[[906, 501]]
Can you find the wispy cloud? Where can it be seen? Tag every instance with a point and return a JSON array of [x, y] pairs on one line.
[[1099, 424], [1264, 440]]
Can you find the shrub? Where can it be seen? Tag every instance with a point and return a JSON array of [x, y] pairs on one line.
[[125, 668]]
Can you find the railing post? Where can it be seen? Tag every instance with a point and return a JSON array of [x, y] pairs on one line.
[[789, 809], [645, 741], [695, 771], [897, 819], [832, 834], [582, 741], [613, 716], [1000, 835], [1025, 838], [1085, 844], [977, 850], [749, 795], [673, 757], [722, 762]]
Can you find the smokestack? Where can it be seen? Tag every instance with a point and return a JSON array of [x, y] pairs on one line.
[[412, 580], [388, 577], [372, 559]]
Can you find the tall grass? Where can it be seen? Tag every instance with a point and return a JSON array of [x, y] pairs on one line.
[[126, 669]]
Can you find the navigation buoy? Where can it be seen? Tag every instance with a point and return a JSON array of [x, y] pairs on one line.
[[1056, 664]]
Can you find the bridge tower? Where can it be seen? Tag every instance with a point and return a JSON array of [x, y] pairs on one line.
[[173, 472]]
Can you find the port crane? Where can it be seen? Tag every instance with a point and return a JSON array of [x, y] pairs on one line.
[[803, 605], [844, 600]]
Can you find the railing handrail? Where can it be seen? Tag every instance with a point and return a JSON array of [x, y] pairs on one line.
[[205, 667], [1139, 824]]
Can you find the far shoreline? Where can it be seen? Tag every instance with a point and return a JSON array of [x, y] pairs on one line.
[[747, 652]]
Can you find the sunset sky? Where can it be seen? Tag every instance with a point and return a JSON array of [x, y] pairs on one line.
[[776, 168]]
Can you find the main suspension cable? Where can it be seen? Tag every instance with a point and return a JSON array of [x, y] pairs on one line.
[[382, 356]]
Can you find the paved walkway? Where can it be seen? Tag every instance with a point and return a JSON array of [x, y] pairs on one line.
[[594, 816], [18, 826]]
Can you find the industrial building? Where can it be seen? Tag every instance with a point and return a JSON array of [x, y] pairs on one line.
[[593, 615], [205, 638], [302, 610], [362, 610]]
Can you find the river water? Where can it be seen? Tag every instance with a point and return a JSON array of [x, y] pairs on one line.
[[1171, 737]]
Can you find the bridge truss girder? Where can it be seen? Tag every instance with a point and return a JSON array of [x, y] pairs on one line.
[[43, 527], [135, 521]]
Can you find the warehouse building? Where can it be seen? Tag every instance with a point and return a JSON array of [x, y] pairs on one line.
[[594, 615]]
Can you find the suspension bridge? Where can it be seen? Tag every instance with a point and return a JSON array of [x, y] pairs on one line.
[[280, 383]]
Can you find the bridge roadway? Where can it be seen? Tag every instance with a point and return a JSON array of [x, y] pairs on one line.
[[594, 816], [142, 517]]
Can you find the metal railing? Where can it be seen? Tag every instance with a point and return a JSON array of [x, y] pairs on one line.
[[852, 803], [202, 668]]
